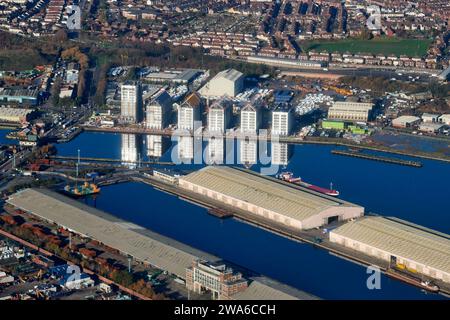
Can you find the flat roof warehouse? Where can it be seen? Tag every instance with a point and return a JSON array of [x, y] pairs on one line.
[[88, 221], [427, 253], [276, 201]]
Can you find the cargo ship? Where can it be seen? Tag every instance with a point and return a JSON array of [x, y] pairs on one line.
[[399, 272], [86, 189], [289, 177]]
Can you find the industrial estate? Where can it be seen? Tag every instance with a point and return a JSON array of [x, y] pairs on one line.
[[133, 108]]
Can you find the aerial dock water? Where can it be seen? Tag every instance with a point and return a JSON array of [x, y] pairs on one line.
[[319, 205], [414, 238]]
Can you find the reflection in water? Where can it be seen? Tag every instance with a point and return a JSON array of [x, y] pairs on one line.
[[131, 149], [157, 145], [185, 147], [281, 153], [248, 151], [215, 150]]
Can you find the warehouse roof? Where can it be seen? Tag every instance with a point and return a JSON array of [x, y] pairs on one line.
[[260, 291], [90, 222], [350, 105], [400, 239], [260, 191], [185, 75], [406, 119], [263, 288], [14, 112], [229, 74], [12, 92]]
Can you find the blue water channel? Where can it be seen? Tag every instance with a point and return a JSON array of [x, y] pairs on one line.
[[3, 139], [414, 194]]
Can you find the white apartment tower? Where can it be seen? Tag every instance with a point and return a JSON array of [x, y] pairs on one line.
[[219, 116], [250, 119], [282, 120], [189, 112], [158, 111], [131, 102]]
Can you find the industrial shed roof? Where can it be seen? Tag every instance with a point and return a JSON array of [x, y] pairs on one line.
[[401, 240], [90, 222], [405, 119], [14, 112], [229, 74], [348, 105], [260, 191], [262, 288], [259, 291]]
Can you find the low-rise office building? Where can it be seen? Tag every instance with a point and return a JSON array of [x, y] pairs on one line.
[[445, 119], [221, 280]]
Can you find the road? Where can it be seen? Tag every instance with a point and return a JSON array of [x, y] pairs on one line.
[[15, 161]]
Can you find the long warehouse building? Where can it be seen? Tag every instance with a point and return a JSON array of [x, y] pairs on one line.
[[130, 239], [399, 243], [269, 199]]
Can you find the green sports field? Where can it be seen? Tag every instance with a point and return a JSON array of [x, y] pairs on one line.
[[387, 46]]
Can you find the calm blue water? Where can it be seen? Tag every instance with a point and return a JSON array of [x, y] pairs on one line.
[[3, 139], [413, 194]]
